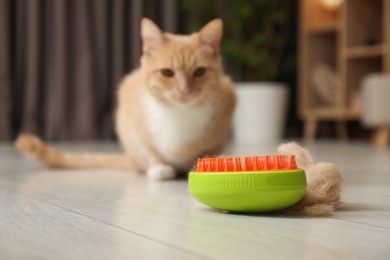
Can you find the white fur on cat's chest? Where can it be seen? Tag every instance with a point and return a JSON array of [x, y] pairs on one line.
[[174, 127]]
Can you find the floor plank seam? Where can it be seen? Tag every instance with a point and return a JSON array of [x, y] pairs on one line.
[[362, 223], [126, 230]]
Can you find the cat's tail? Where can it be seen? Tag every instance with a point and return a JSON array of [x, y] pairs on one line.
[[34, 147]]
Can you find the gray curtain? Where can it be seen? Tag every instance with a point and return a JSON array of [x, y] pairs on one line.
[[61, 62]]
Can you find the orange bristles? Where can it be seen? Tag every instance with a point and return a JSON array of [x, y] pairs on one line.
[[199, 165], [293, 163], [230, 164], [255, 163], [220, 165], [237, 167], [283, 163], [248, 164]]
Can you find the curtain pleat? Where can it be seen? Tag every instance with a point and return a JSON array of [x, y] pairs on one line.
[[81, 100], [6, 127], [61, 62], [57, 70], [100, 28], [133, 20], [31, 64]]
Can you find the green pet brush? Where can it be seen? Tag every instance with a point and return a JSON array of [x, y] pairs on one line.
[[261, 184]]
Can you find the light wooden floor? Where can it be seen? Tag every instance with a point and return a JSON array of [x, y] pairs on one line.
[[113, 214]]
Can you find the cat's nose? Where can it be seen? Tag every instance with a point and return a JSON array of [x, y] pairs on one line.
[[182, 84], [185, 91]]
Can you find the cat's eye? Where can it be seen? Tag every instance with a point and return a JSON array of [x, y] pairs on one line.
[[168, 73], [199, 72]]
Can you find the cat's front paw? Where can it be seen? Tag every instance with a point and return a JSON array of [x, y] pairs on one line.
[[161, 172]]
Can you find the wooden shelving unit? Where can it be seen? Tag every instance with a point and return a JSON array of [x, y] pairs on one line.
[[365, 51], [323, 28], [354, 40]]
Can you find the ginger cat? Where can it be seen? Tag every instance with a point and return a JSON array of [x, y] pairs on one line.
[[177, 106]]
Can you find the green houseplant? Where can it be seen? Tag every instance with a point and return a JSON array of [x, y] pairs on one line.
[[256, 36]]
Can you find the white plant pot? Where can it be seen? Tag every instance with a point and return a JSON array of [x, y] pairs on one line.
[[261, 112]]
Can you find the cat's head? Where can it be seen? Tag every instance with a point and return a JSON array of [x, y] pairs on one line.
[[181, 69]]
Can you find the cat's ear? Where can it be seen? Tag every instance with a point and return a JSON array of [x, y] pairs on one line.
[[152, 36], [211, 34]]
